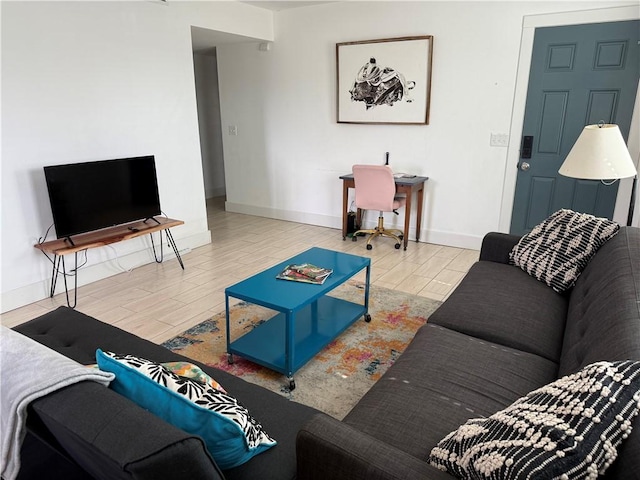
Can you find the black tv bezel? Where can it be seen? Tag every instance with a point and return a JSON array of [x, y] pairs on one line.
[[55, 210]]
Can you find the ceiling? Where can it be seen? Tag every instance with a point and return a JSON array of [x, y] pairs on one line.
[[204, 40], [277, 6]]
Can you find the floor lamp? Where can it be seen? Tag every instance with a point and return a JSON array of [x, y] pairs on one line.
[[600, 153]]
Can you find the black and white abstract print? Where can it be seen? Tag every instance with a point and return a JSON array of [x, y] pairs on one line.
[[375, 85]]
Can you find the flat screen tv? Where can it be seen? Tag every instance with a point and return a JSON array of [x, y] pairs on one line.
[[94, 195]]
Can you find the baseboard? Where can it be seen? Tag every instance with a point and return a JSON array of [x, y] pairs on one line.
[[100, 270], [451, 239], [288, 215]]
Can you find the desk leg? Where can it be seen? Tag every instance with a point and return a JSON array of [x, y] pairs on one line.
[[420, 199], [345, 199], [407, 218]]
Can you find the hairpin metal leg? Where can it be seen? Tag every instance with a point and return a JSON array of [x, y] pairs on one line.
[[54, 274], [75, 281], [153, 246], [173, 245], [175, 248]]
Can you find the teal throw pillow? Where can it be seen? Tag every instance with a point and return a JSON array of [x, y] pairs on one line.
[[231, 435]]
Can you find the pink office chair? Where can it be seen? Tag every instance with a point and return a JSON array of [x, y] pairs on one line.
[[376, 190]]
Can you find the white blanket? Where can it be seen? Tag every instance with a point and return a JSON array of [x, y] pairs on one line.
[[28, 371]]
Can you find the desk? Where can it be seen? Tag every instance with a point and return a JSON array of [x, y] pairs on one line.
[[100, 238], [406, 185]]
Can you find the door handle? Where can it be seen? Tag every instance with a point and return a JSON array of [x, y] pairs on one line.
[[524, 166]]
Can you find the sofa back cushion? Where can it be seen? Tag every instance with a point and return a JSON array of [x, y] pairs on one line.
[[603, 323], [603, 319]]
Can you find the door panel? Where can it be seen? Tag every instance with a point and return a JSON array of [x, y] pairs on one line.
[[580, 75]]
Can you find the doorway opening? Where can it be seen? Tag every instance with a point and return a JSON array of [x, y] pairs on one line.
[[205, 43]]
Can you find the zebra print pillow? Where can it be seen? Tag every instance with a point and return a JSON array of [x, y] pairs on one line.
[[558, 249], [231, 434], [570, 428]]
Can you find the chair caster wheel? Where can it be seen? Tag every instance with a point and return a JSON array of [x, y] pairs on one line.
[[369, 247], [397, 246], [354, 238], [367, 318], [230, 359]]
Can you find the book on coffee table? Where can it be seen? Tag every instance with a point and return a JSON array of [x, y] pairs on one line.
[[305, 272]]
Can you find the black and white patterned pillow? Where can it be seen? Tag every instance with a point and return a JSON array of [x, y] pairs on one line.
[[558, 249], [570, 428], [231, 434]]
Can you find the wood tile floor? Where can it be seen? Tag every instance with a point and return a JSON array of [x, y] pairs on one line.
[[158, 301]]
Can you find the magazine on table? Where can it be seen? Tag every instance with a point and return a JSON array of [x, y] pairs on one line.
[[305, 272]]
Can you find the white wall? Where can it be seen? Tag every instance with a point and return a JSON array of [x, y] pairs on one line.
[[96, 80], [289, 152]]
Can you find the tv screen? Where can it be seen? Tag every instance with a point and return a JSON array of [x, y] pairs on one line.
[[94, 195]]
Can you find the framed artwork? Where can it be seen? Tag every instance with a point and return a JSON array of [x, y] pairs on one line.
[[385, 81]]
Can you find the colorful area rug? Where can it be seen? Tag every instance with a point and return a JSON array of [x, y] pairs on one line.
[[337, 377]]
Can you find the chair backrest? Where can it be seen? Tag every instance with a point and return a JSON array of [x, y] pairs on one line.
[[375, 187]]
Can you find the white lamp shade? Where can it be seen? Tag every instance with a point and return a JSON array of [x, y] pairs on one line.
[[600, 153]]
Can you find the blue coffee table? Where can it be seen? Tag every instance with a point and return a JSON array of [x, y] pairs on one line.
[[307, 319]]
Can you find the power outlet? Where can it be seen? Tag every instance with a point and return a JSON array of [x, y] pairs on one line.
[[499, 140]]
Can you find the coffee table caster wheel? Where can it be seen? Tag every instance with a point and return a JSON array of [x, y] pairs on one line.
[[397, 246], [369, 247], [230, 358], [367, 317], [292, 384]]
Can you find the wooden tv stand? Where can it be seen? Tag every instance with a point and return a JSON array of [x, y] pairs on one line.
[[100, 238]]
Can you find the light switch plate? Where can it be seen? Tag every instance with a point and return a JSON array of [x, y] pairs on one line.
[[499, 140]]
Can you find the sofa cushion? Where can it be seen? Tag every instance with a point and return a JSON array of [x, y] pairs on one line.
[[502, 304], [572, 426], [231, 434], [557, 250], [441, 380]]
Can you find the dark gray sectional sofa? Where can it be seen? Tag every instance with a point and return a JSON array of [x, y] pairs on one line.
[[500, 335]]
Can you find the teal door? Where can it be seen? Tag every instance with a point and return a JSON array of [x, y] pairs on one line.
[[580, 75]]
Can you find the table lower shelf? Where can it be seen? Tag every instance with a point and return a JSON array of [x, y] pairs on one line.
[[315, 326]]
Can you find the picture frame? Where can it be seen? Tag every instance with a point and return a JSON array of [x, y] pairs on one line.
[[384, 81]]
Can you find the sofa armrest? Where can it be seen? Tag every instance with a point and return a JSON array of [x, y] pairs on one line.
[[328, 448], [111, 437], [497, 246]]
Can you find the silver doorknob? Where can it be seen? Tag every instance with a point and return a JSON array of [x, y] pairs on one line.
[[524, 166]]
